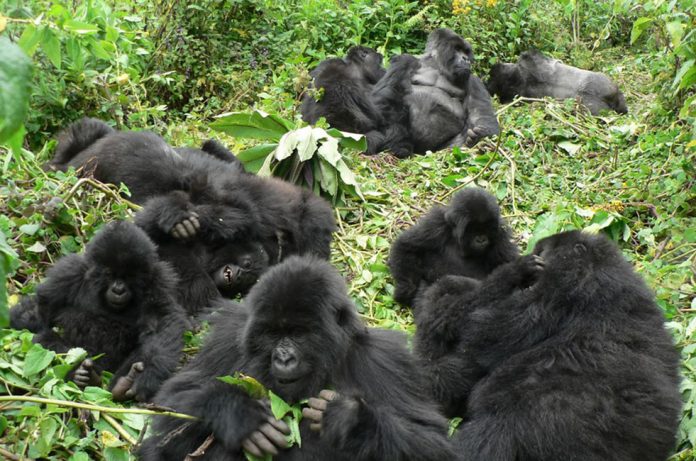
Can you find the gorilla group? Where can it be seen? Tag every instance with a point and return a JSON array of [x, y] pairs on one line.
[[419, 104], [536, 76], [116, 299], [298, 333], [561, 354], [199, 205], [467, 237]]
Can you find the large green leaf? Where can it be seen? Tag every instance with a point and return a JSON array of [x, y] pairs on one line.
[[640, 26], [15, 80], [256, 152], [255, 125]]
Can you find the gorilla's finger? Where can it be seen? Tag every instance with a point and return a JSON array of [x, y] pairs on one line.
[[87, 363], [175, 233], [328, 394], [263, 443], [317, 404], [276, 437], [315, 427], [312, 414], [280, 425], [470, 133], [190, 229], [250, 448], [196, 223]]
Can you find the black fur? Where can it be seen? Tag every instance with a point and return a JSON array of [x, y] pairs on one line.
[[380, 414], [467, 237], [346, 103], [565, 355], [224, 244], [116, 299], [286, 219], [536, 76]]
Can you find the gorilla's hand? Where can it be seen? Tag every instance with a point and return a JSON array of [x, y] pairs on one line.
[[125, 388], [317, 407], [530, 268], [187, 228], [85, 375], [474, 135], [267, 438]]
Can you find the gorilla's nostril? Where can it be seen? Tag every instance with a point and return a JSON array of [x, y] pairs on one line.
[[118, 288]]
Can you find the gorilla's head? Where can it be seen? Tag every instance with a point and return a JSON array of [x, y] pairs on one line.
[[505, 81], [301, 326], [474, 218], [453, 55], [367, 59], [122, 264], [235, 267]]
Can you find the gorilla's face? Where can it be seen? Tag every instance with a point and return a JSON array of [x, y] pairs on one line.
[[505, 81], [459, 62], [369, 61], [235, 267]]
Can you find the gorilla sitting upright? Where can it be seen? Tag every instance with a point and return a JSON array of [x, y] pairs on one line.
[[536, 76], [298, 333], [559, 355]]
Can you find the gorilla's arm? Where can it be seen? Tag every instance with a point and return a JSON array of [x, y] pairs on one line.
[[397, 422], [224, 410], [481, 119], [410, 249]]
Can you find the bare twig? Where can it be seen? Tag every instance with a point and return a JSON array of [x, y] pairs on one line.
[[122, 432], [86, 406], [8, 455], [200, 451]]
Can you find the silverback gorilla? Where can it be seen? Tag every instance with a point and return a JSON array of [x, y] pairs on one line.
[[536, 76], [447, 106], [117, 300], [559, 355], [467, 237], [298, 333]]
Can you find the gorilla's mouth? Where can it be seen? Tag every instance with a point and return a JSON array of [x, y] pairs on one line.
[[229, 275], [288, 380], [117, 301]]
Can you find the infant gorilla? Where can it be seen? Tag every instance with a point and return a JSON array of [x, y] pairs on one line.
[[298, 333], [561, 354], [467, 237], [117, 300]]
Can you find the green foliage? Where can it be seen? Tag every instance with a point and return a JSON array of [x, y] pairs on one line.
[[281, 410], [308, 156], [675, 27], [15, 76]]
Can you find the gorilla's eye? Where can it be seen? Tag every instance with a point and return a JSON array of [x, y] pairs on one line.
[[246, 264]]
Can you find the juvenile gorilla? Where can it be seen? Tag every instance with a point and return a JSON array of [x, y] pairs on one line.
[[446, 105], [467, 237], [298, 334], [285, 218], [116, 299], [196, 240], [536, 76], [346, 103], [567, 357]]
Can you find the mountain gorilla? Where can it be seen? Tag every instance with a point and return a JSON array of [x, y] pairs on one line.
[[566, 357], [446, 105], [211, 257], [346, 103], [536, 76], [467, 237], [141, 160], [284, 218], [116, 299], [298, 333]]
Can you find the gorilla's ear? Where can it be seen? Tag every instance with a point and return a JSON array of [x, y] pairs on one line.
[[580, 248]]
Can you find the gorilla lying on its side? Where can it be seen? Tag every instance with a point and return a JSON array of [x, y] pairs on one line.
[[467, 237], [298, 334], [446, 105], [286, 218], [209, 256], [346, 103], [535, 76], [567, 356], [141, 160], [116, 299]]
